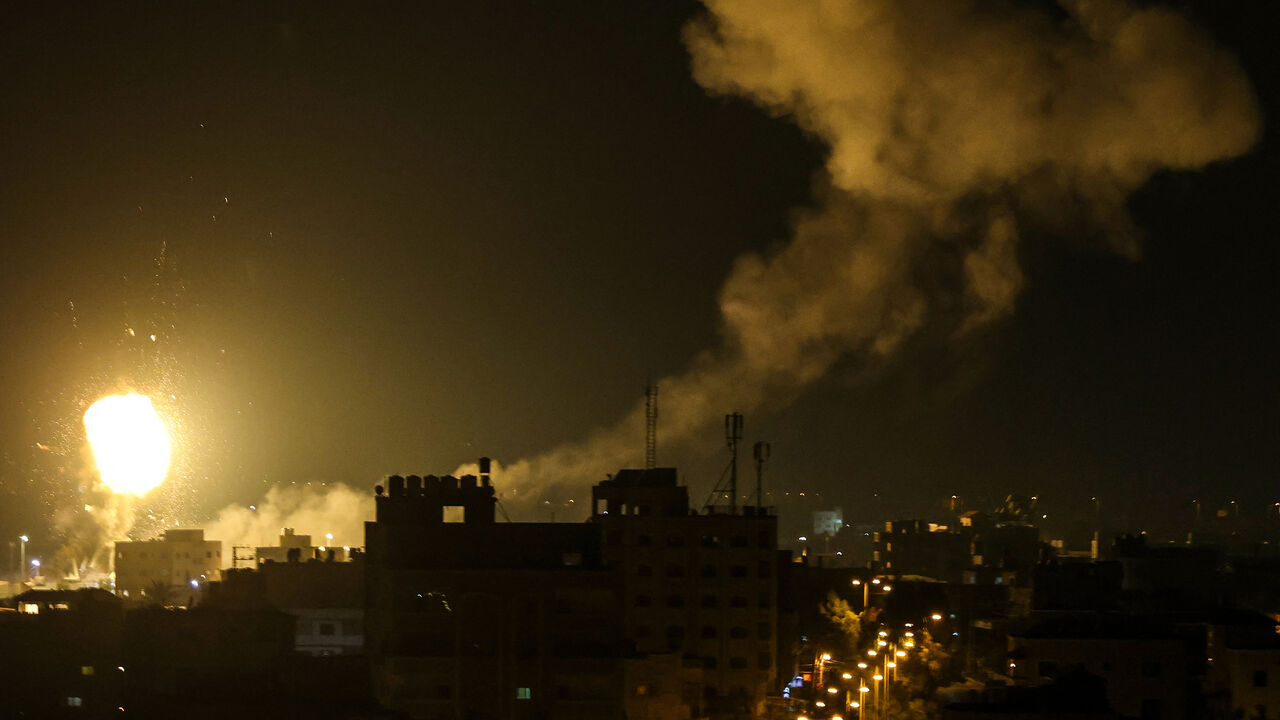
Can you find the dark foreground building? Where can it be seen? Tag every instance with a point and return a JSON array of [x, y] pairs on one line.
[[488, 620], [648, 610]]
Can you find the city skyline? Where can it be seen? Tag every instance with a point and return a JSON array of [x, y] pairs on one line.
[[351, 244]]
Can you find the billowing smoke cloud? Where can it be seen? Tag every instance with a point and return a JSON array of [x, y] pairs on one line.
[[308, 509], [949, 123]]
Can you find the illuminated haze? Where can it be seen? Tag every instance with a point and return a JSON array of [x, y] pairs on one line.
[[949, 126]]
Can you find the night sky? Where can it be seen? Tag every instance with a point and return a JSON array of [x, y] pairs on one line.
[[393, 238]]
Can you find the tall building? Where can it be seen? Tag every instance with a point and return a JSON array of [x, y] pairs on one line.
[[176, 566], [702, 585], [483, 619]]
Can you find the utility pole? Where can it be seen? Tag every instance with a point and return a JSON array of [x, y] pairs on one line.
[[732, 434], [761, 452], [650, 426]]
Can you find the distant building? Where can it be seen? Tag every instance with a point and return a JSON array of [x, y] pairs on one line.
[[918, 547], [327, 600], [289, 540], [702, 585], [1147, 666], [177, 565]]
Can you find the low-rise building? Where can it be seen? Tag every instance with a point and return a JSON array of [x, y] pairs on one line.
[[169, 570]]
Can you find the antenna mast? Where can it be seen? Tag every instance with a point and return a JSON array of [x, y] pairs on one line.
[[650, 426], [732, 434], [761, 453]]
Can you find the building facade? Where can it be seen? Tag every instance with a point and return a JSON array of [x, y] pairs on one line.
[[483, 619], [700, 585], [176, 566]]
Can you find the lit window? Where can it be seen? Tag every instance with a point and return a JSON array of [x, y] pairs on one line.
[[523, 694], [29, 608], [75, 702], [86, 669]]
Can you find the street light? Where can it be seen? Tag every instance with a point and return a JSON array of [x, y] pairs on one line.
[[22, 562], [935, 616]]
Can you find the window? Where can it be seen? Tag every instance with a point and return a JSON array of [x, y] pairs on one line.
[[675, 571], [1259, 678], [643, 601], [762, 631], [675, 601], [710, 541], [710, 601], [644, 570], [708, 571], [738, 633], [763, 660], [208, 554], [562, 692], [738, 571], [88, 670], [522, 693], [737, 601], [709, 662], [738, 663], [643, 540], [1150, 668], [766, 568], [643, 631], [326, 628], [709, 632], [764, 601], [75, 702], [738, 541], [675, 636], [675, 541], [765, 540]]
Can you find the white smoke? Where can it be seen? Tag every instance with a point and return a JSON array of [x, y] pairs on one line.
[[945, 121], [314, 510]]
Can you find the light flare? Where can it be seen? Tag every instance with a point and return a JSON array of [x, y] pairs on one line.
[[130, 443]]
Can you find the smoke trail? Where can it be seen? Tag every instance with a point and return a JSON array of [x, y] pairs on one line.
[[949, 125], [308, 509]]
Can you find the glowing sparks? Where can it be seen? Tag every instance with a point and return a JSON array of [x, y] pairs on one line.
[[130, 443]]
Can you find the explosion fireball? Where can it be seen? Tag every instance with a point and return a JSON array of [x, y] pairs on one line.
[[130, 443]]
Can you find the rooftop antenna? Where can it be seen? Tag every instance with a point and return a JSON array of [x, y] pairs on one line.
[[732, 434], [650, 426], [761, 452]]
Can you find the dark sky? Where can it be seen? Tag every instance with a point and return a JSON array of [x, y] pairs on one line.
[[392, 239]]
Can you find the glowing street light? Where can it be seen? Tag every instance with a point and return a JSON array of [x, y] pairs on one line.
[[847, 676], [936, 616]]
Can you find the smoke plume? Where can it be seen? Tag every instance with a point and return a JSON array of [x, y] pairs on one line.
[[950, 125], [330, 509]]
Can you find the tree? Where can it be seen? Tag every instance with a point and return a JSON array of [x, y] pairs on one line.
[[846, 620]]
